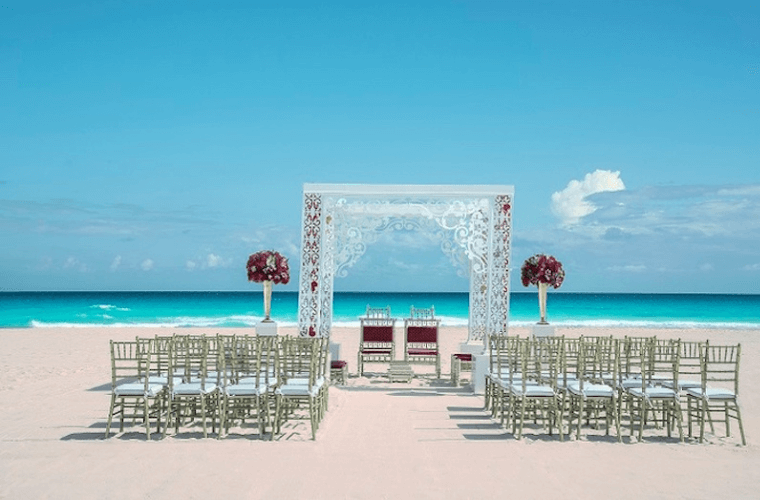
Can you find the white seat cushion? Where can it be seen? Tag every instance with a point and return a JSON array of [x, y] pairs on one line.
[[712, 393], [630, 382], [682, 384], [591, 390], [138, 389], [246, 390], [193, 389], [653, 392], [533, 391], [297, 390]]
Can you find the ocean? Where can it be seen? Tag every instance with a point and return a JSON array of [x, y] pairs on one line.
[[242, 309]]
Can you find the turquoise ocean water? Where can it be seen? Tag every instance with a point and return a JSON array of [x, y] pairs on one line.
[[240, 309]]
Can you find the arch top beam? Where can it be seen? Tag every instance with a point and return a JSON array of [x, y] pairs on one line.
[[429, 190]]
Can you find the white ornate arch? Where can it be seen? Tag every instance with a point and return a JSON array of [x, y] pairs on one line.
[[472, 223]]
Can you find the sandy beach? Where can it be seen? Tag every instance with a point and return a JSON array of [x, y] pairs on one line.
[[425, 439]]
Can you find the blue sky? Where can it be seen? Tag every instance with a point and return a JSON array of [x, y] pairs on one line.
[[155, 145]]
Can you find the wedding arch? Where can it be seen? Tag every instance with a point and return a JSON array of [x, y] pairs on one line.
[[472, 223]]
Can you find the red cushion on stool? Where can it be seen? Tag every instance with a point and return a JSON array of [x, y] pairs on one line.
[[463, 357], [338, 364]]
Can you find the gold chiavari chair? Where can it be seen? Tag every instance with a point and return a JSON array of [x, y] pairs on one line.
[[718, 391], [133, 393], [249, 380]]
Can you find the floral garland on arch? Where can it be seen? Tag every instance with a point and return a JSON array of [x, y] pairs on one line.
[[268, 265], [542, 269]]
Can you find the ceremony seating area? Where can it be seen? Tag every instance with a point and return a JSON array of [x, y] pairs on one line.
[[212, 382], [650, 386]]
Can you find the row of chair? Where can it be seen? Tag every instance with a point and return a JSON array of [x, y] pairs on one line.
[[376, 344], [644, 380], [181, 380]]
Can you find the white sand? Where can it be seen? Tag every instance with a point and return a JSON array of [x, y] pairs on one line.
[[378, 440]]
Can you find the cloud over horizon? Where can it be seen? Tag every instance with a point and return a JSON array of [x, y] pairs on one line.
[[571, 204]]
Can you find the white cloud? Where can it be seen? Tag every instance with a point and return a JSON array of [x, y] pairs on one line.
[[706, 267], [116, 263], [751, 267], [571, 205], [213, 260], [210, 261], [630, 268], [147, 265], [404, 266], [73, 263], [753, 190]]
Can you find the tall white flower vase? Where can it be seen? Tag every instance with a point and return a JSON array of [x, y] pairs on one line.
[[267, 300], [542, 288], [267, 327]]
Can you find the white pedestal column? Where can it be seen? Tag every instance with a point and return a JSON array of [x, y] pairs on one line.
[[266, 328], [480, 364], [540, 330], [480, 369]]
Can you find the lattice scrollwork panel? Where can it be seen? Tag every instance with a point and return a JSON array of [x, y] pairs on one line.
[[500, 261], [311, 258]]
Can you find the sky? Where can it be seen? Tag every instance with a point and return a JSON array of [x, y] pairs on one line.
[[155, 145]]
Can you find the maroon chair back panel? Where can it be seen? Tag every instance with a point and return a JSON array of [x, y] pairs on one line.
[[377, 334], [422, 334]]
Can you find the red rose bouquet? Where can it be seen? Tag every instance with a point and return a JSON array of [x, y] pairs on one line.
[[268, 265], [542, 269]]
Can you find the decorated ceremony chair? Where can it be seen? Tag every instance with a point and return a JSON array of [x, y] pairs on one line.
[[376, 343], [421, 339]]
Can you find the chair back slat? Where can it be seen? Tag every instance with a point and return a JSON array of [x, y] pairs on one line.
[[425, 334], [377, 334]]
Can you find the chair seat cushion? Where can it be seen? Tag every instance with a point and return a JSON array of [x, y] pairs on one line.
[[375, 350], [682, 384], [653, 392], [628, 383], [163, 379], [246, 390], [463, 357], [262, 380], [422, 352], [318, 382], [193, 389], [712, 393], [138, 389], [533, 391], [302, 390], [338, 363], [590, 390]]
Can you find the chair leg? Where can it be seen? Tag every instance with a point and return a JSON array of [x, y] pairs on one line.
[[146, 417], [110, 415], [741, 425]]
